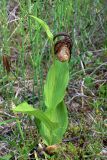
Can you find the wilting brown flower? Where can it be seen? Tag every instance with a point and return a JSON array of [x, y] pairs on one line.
[[63, 47], [6, 63], [52, 149]]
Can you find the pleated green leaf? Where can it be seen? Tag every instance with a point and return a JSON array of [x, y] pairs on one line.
[[40, 115], [56, 83], [60, 116]]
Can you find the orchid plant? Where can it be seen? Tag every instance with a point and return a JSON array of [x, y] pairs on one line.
[[53, 121]]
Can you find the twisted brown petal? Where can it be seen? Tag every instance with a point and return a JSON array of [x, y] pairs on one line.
[[6, 63]]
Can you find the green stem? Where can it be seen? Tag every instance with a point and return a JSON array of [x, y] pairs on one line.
[[53, 54]]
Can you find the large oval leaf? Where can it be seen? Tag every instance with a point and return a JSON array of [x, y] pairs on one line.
[[60, 116], [40, 115], [56, 83]]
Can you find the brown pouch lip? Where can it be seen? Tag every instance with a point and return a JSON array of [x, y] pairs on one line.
[[66, 40]]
